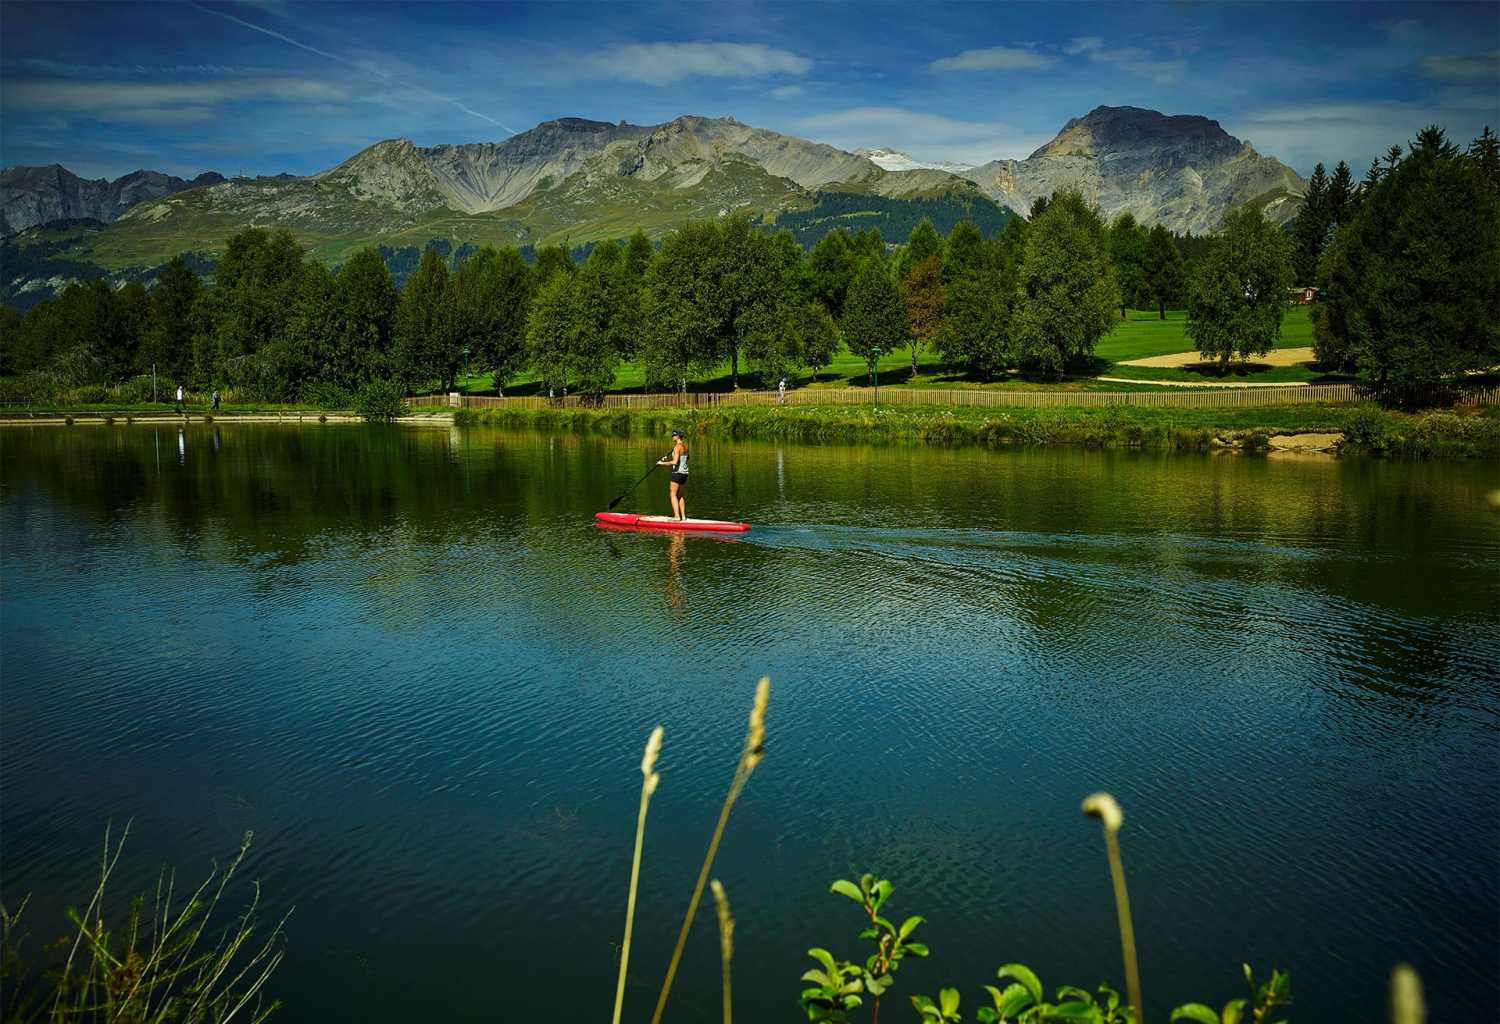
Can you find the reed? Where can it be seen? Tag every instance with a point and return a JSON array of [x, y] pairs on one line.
[[158, 967], [648, 786], [1104, 807], [1407, 1005], [726, 943], [750, 756]]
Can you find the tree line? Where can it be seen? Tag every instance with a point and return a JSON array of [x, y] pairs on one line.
[[1407, 262]]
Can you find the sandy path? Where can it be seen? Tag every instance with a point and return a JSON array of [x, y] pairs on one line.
[[1275, 357]]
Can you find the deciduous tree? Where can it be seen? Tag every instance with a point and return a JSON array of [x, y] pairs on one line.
[[1067, 292], [1239, 292]]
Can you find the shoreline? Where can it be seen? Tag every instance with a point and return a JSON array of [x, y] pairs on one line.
[[1313, 428]]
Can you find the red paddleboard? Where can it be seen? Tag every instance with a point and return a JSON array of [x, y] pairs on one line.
[[668, 523]]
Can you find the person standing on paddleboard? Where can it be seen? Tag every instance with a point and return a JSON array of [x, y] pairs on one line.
[[678, 460]]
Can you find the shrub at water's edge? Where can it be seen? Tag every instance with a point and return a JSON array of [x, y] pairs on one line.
[[168, 962], [1464, 433], [380, 402]]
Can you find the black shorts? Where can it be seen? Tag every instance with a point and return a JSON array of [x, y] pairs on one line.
[[680, 479]]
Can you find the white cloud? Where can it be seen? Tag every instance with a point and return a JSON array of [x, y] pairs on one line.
[[996, 58], [923, 135], [159, 116], [93, 97], [1082, 44], [1482, 66], [786, 92], [665, 63], [1329, 131], [1162, 72]]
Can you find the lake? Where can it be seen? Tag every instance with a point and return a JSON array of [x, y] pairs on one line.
[[408, 660]]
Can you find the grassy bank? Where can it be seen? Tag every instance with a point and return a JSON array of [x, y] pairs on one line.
[[1461, 434]]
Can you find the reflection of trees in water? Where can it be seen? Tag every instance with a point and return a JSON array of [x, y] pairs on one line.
[[415, 516]]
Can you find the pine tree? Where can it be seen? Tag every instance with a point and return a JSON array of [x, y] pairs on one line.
[[1340, 195], [1413, 283], [1311, 226], [1162, 270], [1238, 293], [1485, 152], [1127, 251]]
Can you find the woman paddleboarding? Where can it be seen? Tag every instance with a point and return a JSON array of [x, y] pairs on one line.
[[678, 460]]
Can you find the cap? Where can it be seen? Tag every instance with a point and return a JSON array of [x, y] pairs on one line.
[[678, 433]]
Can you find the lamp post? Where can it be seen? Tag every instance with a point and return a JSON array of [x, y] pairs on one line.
[[875, 373]]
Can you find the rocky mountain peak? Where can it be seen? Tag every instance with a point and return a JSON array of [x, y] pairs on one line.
[[1184, 171], [1110, 129]]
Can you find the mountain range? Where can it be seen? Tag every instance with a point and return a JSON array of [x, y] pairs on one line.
[[38, 195], [577, 180]]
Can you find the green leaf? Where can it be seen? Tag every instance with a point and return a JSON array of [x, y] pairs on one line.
[[907, 927], [1233, 1011], [883, 890], [1249, 977], [825, 958], [849, 889], [865, 881], [1076, 1011], [1025, 976], [916, 949], [1195, 1012], [985, 1015], [819, 977], [884, 925], [949, 998], [1013, 1000], [921, 1003], [1074, 994]]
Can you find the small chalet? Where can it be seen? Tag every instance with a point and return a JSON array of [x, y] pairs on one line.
[[1303, 296]]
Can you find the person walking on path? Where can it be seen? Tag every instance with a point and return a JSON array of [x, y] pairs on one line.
[[678, 460], [216, 399], [781, 392], [179, 398]]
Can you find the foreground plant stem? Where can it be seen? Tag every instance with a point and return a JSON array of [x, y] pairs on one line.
[[1104, 807], [648, 786], [750, 756]]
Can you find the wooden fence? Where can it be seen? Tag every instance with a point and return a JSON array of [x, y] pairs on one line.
[[1236, 398]]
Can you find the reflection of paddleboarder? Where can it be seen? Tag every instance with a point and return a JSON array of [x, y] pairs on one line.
[[678, 460]]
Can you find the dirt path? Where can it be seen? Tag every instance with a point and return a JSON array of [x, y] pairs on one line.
[[1275, 357]]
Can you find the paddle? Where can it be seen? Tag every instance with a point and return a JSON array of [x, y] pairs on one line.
[[634, 485]]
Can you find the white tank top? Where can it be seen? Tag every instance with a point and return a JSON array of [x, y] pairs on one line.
[[681, 466]]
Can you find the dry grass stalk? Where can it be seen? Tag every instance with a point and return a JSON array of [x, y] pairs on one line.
[[1104, 807], [750, 756], [1407, 1005], [649, 783], [726, 943]]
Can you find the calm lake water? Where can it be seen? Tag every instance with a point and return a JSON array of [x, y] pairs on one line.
[[410, 663]]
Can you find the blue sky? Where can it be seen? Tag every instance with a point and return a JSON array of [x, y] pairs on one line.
[[264, 87]]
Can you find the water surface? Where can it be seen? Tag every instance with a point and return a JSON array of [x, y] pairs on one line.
[[409, 662]]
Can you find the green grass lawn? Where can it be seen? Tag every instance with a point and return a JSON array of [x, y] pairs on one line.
[[1141, 335], [1144, 334]]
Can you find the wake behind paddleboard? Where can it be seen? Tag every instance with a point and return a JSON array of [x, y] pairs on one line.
[[668, 523]]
